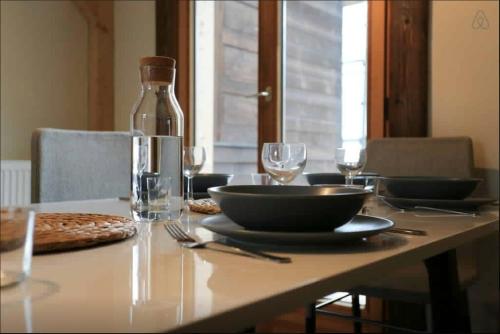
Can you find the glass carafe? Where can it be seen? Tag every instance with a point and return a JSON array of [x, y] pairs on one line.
[[157, 124]]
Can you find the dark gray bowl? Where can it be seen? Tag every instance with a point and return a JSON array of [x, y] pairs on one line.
[[289, 208], [202, 182], [335, 178], [429, 187]]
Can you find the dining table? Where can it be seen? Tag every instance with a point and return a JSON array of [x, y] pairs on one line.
[[149, 283]]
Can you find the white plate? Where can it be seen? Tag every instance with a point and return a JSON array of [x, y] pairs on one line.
[[360, 226]]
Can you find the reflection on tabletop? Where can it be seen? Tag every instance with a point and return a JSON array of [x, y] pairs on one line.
[[17, 300], [149, 283]]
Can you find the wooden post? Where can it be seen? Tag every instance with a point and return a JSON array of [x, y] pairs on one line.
[[173, 39], [376, 68], [100, 20], [269, 76], [407, 68]]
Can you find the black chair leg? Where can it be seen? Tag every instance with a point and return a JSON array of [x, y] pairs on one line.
[[356, 312], [449, 307], [310, 318]]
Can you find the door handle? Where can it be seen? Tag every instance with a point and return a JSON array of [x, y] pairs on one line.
[[267, 94]]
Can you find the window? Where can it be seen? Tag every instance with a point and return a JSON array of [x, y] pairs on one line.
[[226, 60], [325, 78], [323, 88]]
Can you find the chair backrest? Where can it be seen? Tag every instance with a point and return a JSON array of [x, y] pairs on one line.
[[448, 156], [77, 165]]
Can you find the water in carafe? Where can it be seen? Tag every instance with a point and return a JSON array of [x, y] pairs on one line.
[[157, 139]]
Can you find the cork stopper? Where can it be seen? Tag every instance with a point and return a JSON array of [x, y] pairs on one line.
[[157, 69], [158, 61]]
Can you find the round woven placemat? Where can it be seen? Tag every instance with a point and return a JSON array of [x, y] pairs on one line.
[[66, 231], [204, 205]]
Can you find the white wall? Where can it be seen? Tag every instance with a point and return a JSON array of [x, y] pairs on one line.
[[134, 38], [43, 71], [44, 67], [464, 78], [464, 101]]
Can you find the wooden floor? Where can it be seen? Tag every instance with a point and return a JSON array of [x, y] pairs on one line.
[[293, 322]]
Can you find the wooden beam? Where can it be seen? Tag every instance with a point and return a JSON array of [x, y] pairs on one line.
[[269, 127], [173, 39], [100, 19], [376, 68], [407, 68]]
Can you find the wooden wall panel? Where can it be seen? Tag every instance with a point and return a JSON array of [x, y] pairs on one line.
[[407, 68]]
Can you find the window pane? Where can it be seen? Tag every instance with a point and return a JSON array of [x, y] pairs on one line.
[[325, 77], [226, 71]]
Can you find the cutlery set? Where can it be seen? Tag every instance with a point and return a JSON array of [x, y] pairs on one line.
[[185, 240], [408, 231], [444, 212]]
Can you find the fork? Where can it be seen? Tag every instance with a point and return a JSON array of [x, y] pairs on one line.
[[452, 212], [444, 212], [365, 211], [408, 231], [187, 241]]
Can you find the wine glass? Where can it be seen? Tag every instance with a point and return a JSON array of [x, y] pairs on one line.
[[284, 161], [194, 158], [350, 162]]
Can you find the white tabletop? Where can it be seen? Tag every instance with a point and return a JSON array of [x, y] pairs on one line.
[[149, 284]]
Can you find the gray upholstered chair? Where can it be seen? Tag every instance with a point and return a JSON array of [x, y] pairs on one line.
[[451, 157], [78, 165]]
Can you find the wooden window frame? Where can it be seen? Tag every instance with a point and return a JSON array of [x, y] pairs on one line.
[[270, 75], [271, 71], [176, 16], [174, 39], [397, 40], [376, 68], [406, 78]]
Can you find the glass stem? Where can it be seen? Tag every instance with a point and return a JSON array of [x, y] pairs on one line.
[[349, 180], [190, 189]]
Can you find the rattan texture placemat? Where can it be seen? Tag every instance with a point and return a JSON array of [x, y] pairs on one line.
[[204, 205], [56, 232]]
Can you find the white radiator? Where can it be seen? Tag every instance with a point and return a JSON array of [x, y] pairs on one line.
[[16, 182]]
